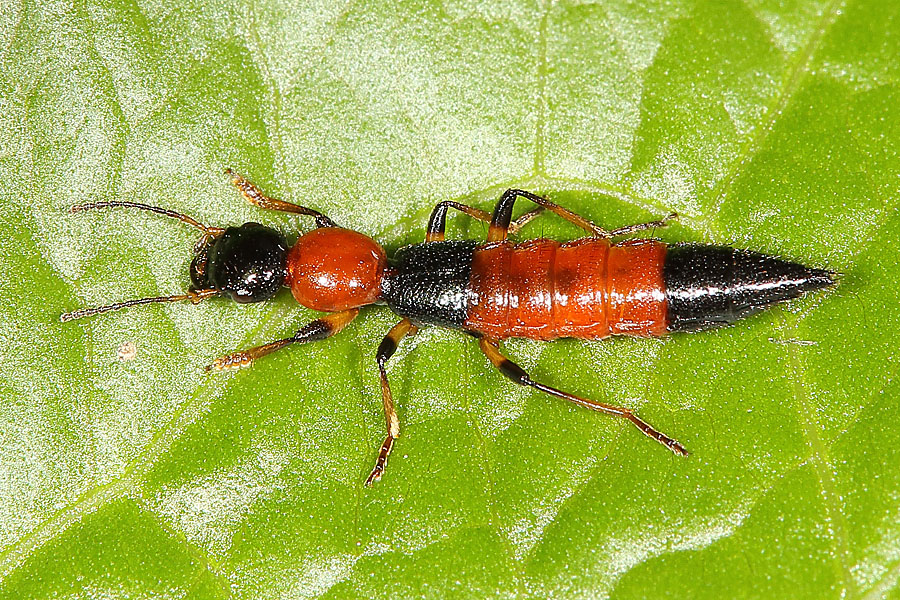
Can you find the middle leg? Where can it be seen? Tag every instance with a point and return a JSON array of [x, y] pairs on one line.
[[500, 222], [385, 350], [438, 221]]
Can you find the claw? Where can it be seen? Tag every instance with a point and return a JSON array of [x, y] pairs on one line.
[[375, 475], [236, 360]]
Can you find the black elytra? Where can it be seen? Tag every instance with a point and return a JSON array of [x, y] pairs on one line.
[[248, 262], [429, 283]]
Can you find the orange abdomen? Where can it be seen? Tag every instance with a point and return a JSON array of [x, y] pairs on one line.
[[587, 288]]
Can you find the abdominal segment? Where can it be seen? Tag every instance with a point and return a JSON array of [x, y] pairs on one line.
[[588, 288]]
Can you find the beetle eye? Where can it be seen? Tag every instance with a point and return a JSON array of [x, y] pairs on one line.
[[249, 262]]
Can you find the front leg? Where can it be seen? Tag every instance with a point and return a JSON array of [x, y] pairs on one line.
[[254, 196], [314, 331]]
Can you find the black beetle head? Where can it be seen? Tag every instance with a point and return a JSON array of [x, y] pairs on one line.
[[247, 262]]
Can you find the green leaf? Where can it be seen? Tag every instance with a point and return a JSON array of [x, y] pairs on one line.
[[765, 124]]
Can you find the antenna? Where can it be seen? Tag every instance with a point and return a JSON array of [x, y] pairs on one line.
[[194, 296], [209, 231]]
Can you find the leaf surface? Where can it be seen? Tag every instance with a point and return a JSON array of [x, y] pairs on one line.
[[767, 125]]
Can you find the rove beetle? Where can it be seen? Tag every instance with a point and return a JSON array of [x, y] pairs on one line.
[[588, 288]]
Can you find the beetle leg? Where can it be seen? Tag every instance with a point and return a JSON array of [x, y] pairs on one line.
[[524, 219], [642, 226], [501, 226], [254, 196], [385, 351], [518, 375], [314, 331], [500, 222], [438, 220]]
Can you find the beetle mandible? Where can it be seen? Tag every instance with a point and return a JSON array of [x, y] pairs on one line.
[[588, 288]]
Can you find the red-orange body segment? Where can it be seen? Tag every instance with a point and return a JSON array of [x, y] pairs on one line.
[[333, 269], [588, 288]]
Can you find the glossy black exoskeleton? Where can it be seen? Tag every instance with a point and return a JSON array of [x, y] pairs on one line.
[[249, 263]]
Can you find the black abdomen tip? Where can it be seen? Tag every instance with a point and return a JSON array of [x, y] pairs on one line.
[[710, 286]]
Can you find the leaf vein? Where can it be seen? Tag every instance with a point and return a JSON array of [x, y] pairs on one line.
[[821, 463], [792, 84]]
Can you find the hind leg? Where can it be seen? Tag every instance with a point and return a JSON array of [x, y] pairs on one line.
[[518, 375]]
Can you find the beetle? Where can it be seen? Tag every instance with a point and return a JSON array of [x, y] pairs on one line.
[[589, 288]]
